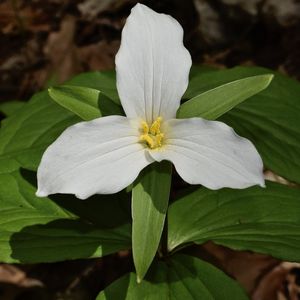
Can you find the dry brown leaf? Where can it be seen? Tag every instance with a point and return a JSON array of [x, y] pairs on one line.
[[280, 283], [61, 51], [91, 8], [100, 56], [271, 176], [245, 266], [13, 275], [22, 18]]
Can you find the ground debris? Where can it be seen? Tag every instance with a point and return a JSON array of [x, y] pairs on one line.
[[45, 42], [50, 41]]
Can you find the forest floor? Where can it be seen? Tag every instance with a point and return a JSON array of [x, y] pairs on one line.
[[47, 42]]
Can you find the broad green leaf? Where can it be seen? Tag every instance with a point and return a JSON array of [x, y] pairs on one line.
[[181, 277], [264, 220], [217, 101], [150, 197], [10, 107], [197, 70], [207, 80], [80, 100], [105, 211], [102, 81], [85, 102], [38, 230], [25, 135], [270, 119]]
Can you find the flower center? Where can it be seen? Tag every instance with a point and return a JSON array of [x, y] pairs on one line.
[[152, 136]]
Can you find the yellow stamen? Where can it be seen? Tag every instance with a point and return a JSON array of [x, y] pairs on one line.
[[158, 139], [152, 136], [145, 127], [148, 139], [155, 127]]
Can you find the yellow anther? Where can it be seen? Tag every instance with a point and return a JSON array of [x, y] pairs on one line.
[[145, 127], [158, 139], [152, 136], [155, 127], [148, 139]]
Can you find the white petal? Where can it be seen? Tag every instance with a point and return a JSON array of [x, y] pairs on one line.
[[102, 156], [210, 153], [152, 65]]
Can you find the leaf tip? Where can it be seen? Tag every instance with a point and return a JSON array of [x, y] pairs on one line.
[[50, 90], [139, 279], [269, 78]]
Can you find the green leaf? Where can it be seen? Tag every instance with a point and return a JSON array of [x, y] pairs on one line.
[[105, 211], [197, 70], [217, 101], [80, 100], [270, 119], [36, 230], [25, 135], [264, 220], [104, 81], [40, 230], [181, 277], [150, 197], [207, 80], [85, 102], [9, 108]]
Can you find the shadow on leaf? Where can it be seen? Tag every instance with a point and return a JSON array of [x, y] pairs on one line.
[[105, 211], [66, 239]]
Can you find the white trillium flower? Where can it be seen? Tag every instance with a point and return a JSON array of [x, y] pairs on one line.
[[106, 155]]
